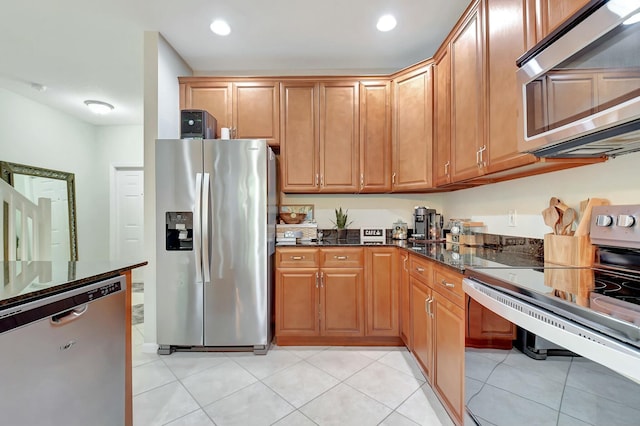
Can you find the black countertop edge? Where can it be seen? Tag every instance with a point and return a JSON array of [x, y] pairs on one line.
[[454, 256], [79, 274]]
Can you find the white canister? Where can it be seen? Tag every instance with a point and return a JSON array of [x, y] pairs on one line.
[[224, 133]]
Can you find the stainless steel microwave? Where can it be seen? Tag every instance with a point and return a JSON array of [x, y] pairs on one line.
[[581, 85]]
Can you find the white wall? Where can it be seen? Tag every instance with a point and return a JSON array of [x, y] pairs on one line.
[[162, 67], [615, 180], [366, 210], [34, 134]]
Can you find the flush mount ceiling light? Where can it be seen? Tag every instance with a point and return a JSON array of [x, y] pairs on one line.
[[99, 107], [220, 27], [386, 23]]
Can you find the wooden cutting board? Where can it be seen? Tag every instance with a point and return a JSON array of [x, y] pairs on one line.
[[585, 221]]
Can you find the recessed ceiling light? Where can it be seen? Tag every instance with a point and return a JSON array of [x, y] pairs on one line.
[[220, 27], [386, 23], [99, 107]]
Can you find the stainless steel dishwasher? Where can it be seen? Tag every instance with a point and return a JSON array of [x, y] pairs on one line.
[[62, 358]]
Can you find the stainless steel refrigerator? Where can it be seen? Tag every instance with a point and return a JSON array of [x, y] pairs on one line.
[[215, 221]]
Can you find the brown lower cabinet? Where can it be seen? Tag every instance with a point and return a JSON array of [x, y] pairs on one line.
[[437, 329], [385, 296], [321, 296]]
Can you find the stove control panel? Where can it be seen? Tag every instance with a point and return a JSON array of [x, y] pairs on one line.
[[616, 226]]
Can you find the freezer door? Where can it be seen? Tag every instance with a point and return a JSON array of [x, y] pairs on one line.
[[236, 306], [179, 268]]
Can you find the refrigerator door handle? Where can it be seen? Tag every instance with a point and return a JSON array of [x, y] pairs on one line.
[[197, 228], [205, 231]]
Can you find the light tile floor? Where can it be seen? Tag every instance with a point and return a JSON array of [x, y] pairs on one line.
[[288, 386]]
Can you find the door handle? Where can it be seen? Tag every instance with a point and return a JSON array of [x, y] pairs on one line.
[[430, 310], [205, 233], [297, 257], [317, 178], [361, 180], [321, 279], [197, 227], [446, 284], [69, 316], [341, 257], [419, 269], [317, 279], [427, 306], [446, 168], [404, 263]]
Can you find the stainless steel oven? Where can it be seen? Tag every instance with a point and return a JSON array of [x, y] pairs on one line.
[[592, 314], [581, 85]]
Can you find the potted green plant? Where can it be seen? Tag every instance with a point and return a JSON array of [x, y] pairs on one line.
[[341, 223]]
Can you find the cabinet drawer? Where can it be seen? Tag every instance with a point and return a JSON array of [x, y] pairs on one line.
[[420, 268], [449, 284], [296, 258], [342, 257]]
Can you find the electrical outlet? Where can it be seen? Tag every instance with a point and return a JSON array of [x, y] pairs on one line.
[[512, 217]]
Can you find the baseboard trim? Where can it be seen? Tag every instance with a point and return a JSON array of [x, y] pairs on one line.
[[150, 348]]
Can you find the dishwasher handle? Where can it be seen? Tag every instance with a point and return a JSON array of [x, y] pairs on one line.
[[69, 316]]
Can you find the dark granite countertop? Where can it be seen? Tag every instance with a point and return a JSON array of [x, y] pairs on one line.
[[22, 282], [452, 255]]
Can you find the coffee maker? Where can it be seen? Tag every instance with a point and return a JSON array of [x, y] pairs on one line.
[[423, 220]]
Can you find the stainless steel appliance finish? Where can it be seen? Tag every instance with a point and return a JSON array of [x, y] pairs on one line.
[[424, 223], [592, 312], [214, 280], [63, 358], [581, 85]]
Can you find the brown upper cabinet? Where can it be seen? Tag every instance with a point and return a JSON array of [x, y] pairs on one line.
[[468, 147], [543, 16], [442, 117], [320, 137], [412, 130], [375, 136], [438, 125], [251, 109]]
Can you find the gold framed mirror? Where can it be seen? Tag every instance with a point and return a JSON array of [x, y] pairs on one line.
[[35, 182]]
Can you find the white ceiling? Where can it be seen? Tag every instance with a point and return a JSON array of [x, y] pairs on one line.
[[93, 49]]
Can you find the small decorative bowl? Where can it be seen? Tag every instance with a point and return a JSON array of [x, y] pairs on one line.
[[292, 218]]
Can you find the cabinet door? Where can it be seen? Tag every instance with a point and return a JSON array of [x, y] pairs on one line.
[[555, 12], [341, 301], [375, 137], [412, 135], [504, 29], [405, 302], [212, 96], [421, 336], [299, 137], [256, 111], [381, 277], [467, 108], [486, 329], [339, 142], [448, 371], [297, 303], [442, 113]]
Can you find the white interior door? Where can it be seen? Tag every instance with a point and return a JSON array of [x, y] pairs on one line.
[[129, 216]]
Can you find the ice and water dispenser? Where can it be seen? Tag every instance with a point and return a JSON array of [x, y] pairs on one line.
[[179, 231]]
